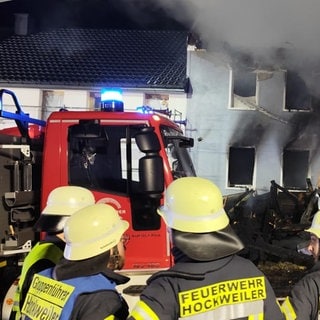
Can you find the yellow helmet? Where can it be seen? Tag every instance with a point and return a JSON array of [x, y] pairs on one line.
[[193, 204], [315, 225], [61, 204], [92, 231]]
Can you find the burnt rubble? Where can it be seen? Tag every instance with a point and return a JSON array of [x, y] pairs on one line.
[[271, 226]]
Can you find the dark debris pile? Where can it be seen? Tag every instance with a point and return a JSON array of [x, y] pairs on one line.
[[272, 227], [282, 276]]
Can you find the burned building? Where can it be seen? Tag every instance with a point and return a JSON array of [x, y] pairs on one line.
[[256, 135], [251, 125]]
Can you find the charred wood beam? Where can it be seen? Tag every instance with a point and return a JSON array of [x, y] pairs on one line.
[[312, 207], [280, 254], [288, 193]]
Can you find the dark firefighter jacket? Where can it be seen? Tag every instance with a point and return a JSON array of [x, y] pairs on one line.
[[303, 300], [228, 288], [43, 255], [104, 302]]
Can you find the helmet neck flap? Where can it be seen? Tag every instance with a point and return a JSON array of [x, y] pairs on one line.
[[207, 246]]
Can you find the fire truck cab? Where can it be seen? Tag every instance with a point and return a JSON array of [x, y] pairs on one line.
[[126, 159]]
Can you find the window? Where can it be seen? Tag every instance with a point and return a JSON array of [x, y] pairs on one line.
[[95, 156], [136, 154], [295, 168], [95, 101], [51, 101], [244, 84], [157, 101], [176, 147], [244, 89], [118, 159], [241, 166], [297, 94]]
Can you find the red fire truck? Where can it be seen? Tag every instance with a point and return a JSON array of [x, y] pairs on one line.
[[126, 158]]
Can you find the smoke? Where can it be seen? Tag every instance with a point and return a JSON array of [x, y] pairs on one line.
[[252, 25], [281, 33]]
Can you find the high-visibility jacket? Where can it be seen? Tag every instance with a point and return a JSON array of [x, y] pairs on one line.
[[79, 285], [43, 255], [228, 288]]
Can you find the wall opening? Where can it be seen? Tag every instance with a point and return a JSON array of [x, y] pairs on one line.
[[244, 83], [244, 89], [295, 168], [298, 97], [241, 166]]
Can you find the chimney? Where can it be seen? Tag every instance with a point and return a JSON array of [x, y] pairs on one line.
[[21, 24]]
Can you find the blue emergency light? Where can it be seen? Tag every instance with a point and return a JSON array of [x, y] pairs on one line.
[[144, 109], [111, 100]]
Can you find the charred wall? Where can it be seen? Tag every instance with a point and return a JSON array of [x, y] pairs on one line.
[[263, 122]]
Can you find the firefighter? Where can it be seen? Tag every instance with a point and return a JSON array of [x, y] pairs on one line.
[[81, 286], [62, 202], [303, 300], [208, 280]]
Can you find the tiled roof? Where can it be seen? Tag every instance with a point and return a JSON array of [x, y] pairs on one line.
[[95, 58]]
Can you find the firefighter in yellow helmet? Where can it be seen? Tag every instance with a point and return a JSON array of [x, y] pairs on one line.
[[62, 202], [82, 286], [208, 280], [303, 301]]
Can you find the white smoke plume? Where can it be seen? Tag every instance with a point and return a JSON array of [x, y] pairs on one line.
[[283, 33], [253, 25]]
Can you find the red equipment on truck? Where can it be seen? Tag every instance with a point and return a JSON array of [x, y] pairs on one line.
[[125, 158]]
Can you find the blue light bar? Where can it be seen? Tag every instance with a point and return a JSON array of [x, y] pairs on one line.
[[111, 95], [144, 109], [111, 100]]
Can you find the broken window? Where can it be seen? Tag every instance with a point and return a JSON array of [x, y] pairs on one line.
[[244, 89], [295, 168], [297, 94], [241, 166]]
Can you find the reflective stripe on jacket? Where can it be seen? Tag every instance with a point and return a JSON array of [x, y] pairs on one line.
[[288, 309]]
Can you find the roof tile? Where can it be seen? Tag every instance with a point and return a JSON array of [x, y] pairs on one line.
[[96, 57]]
